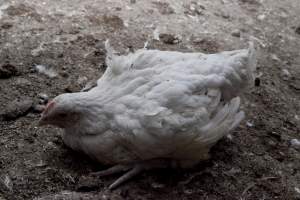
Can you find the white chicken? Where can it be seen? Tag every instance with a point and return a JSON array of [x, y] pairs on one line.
[[153, 109]]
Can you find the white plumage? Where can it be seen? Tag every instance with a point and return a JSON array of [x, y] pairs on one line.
[[155, 104]]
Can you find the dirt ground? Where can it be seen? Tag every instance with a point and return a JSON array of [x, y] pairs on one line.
[[260, 160]]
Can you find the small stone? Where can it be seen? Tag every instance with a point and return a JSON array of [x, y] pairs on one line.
[[236, 33], [16, 108], [271, 143], [72, 87], [8, 70], [43, 98], [261, 17], [295, 143], [64, 74], [82, 80], [275, 57], [225, 15], [229, 137], [249, 124], [132, 1], [87, 184], [285, 74], [61, 55], [169, 38]]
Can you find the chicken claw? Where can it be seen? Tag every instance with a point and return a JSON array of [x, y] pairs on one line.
[[132, 170]]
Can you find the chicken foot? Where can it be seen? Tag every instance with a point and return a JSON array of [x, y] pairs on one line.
[[131, 170]]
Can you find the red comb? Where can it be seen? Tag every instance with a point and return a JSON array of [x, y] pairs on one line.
[[48, 107]]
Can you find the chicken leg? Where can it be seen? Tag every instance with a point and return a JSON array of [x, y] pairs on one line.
[[133, 169]]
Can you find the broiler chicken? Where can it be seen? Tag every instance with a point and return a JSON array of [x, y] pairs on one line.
[[154, 109]]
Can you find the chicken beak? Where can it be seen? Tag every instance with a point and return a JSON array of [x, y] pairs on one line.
[[43, 120]]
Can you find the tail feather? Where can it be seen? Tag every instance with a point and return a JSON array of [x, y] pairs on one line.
[[111, 59], [224, 121], [240, 71]]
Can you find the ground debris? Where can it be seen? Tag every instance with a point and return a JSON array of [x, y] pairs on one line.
[[87, 184], [236, 33], [46, 71], [295, 143], [169, 38], [70, 195], [251, 185], [7, 70], [6, 183], [16, 108]]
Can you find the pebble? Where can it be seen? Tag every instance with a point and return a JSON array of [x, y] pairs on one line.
[[261, 17], [275, 57], [295, 143], [72, 87], [236, 33], [224, 14], [229, 137], [285, 74], [8, 70], [43, 98], [249, 124], [169, 38], [17, 108], [82, 80]]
